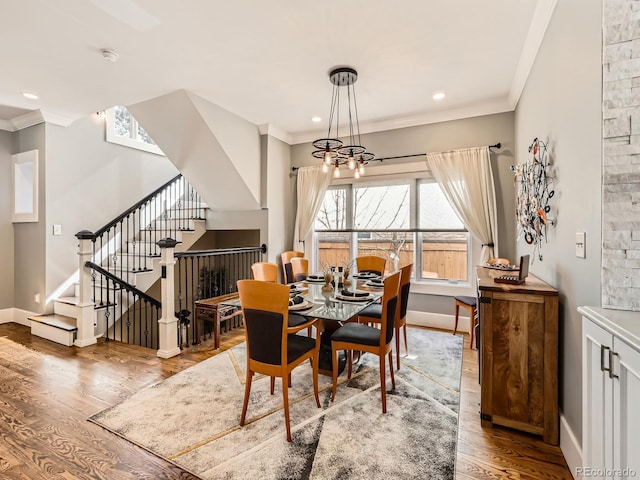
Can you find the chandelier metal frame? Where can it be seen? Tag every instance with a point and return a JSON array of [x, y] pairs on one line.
[[331, 150]]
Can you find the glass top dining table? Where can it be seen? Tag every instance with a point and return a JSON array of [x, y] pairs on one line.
[[325, 305]]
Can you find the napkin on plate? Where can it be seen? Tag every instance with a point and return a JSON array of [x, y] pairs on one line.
[[347, 293], [377, 280], [315, 277], [296, 300]]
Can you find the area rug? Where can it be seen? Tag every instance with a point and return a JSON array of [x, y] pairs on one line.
[[191, 419]]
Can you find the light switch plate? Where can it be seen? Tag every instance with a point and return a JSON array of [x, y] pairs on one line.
[[580, 245], [57, 230]]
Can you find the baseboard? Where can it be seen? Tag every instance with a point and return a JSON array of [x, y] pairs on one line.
[[16, 315], [437, 320], [570, 446]]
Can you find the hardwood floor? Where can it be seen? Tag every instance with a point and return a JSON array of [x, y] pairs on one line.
[[47, 392]]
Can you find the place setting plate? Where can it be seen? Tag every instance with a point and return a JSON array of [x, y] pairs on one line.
[[354, 299], [301, 306], [315, 279], [366, 275], [371, 284]]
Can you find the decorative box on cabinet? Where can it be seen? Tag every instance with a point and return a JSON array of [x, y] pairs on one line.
[[519, 355], [610, 392]]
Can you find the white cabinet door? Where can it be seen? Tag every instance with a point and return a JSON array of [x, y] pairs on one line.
[[626, 412], [597, 397]]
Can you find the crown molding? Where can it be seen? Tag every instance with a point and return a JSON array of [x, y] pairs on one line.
[[485, 108], [32, 118], [57, 119], [537, 30]]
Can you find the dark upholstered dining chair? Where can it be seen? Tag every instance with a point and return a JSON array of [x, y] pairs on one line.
[[265, 271], [299, 268], [286, 264], [274, 349], [371, 263], [357, 336], [373, 313]]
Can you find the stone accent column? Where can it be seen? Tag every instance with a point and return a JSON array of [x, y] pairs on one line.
[[168, 324], [621, 155], [86, 320]]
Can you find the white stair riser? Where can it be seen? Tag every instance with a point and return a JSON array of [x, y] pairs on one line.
[[66, 309], [54, 334]]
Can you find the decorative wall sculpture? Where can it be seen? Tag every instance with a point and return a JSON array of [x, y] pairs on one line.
[[534, 190]]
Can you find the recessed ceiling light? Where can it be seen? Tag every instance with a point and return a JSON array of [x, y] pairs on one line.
[[29, 95], [438, 96], [316, 119]]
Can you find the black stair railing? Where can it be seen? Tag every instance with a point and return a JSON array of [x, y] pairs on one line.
[[126, 245], [204, 274], [130, 315]]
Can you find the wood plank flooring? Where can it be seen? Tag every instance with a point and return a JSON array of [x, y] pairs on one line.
[[47, 392]]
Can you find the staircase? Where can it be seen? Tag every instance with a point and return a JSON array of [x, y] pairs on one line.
[[126, 247]]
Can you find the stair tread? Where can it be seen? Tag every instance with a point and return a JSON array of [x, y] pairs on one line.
[[56, 320]]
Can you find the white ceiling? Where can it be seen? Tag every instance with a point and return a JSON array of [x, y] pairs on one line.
[[268, 61]]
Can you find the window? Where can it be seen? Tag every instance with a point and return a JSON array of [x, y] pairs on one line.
[[123, 129], [389, 219]]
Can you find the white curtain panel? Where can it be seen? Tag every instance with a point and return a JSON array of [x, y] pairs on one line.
[[311, 187], [467, 181]]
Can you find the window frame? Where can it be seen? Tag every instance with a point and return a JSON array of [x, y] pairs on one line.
[[419, 285], [132, 140]]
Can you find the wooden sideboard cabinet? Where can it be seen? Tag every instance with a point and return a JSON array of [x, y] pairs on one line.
[[519, 355]]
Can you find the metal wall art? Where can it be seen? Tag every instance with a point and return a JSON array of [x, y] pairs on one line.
[[533, 192]]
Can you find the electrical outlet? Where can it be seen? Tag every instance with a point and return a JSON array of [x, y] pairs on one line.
[[57, 230], [36, 298], [581, 251]]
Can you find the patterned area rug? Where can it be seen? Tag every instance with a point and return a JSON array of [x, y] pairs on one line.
[[191, 419]]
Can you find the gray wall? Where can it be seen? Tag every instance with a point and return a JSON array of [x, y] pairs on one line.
[[561, 102], [29, 246], [6, 228], [445, 136], [88, 182]]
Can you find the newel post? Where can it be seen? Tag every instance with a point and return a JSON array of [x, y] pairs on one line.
[[86, 320], [168, 323]]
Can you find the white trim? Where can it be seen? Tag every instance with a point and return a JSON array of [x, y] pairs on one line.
[[23, 186], [27, 120], [539, 23], [570, 446], [57, 119], [16, 315], [438, 320]]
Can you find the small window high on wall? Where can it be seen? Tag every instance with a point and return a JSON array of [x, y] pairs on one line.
[[404, 221], [24, 195], [123, 129]]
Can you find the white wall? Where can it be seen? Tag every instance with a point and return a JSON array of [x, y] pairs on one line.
[[6, 227], [561, 102]]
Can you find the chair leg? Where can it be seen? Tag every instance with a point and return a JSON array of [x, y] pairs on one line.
[[383, 384], [334, 358], [349, 363], [472, 322], [285, 396], [406, 344], [393, 378], [289, 377], [314, 366], [455, 328], [247, 391], [398, 346], [273, 384]]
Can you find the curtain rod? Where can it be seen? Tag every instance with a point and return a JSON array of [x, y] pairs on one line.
[[382, 159]]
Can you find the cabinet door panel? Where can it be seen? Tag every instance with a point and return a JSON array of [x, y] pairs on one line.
[[626, 418], [518, 337], [597, 397]]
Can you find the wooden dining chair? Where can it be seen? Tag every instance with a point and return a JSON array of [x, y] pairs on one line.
[[471, 304], [357, 336], [274, 349], [371, 263], [299, 268], [373, 313], [286, 264], [265, 271]]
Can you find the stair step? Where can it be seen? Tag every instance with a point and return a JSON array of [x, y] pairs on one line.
[[66, 306], [68, 300], [57, 328]]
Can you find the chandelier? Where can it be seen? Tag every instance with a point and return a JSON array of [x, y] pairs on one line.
[[333, 152]]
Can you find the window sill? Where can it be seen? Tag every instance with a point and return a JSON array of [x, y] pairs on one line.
[[443, 288]]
